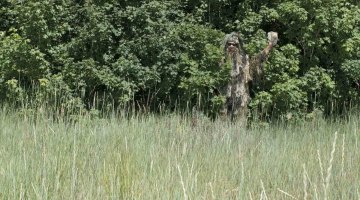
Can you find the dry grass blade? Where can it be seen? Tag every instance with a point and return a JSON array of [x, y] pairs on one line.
[[182, 182], [286, 193], [305, 182], [321, 168], [263, 192], [328, 176], [343, 155]]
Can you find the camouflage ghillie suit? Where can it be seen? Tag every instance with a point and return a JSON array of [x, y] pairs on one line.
[[244, 70]]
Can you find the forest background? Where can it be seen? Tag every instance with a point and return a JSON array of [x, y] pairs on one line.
[[165, 55]]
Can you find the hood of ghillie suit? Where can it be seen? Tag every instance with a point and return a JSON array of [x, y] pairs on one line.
[[232, 39]]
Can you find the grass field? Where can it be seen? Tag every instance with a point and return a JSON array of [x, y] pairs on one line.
[[167, 157]]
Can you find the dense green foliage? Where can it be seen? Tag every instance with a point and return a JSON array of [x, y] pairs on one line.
[[155, 54]]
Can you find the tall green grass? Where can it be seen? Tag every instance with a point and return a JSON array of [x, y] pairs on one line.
[[171, 157]]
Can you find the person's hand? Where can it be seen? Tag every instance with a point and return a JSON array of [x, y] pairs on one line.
[[273, 38]]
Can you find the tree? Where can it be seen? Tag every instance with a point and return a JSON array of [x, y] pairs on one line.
[[152, 53]]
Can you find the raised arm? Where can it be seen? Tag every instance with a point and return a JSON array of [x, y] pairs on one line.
[[256, 63]]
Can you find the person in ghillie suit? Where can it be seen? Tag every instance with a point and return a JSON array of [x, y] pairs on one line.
[[244, 70]]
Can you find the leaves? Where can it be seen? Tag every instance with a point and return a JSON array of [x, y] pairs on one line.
[[161, 52]]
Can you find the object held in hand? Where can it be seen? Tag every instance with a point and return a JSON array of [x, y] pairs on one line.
[[273, 38]]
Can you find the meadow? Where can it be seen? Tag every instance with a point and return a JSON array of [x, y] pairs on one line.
[[171, 157]]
